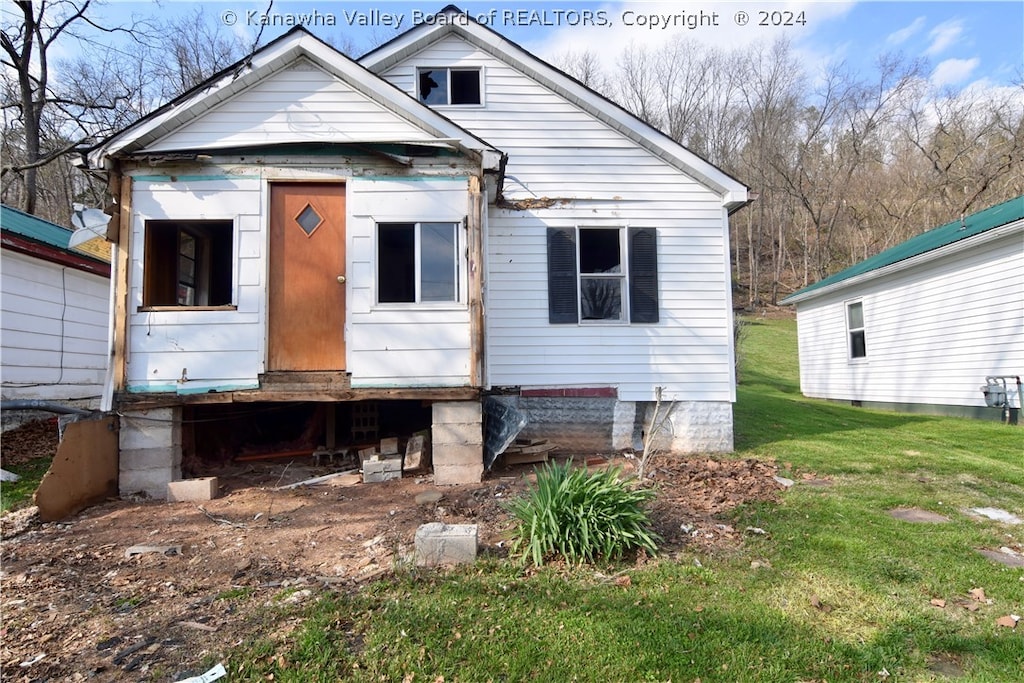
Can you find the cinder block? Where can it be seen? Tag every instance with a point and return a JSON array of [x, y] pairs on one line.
[[440, 544], [448, 454], [457, 411], [158, 428], [450, 475], [205, 488], [382, 469], [456, 433], [150, 458], [151, 482]]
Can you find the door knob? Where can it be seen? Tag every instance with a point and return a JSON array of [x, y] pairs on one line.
[[341, 279]]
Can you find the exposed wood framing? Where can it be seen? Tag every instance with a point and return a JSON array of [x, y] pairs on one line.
[[152, 401], [476, 298], [123, 186]]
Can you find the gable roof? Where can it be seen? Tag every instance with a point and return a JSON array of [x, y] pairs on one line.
[[955, 235], [28, 234], [458, 22], [294, 46]]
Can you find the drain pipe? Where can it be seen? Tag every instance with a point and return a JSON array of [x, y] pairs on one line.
[[43, 405]]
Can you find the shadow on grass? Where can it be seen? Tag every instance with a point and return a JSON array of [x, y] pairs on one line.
[[769, 410]]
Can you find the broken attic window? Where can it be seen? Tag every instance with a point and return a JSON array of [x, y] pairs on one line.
[[187, 263], [440, 86]]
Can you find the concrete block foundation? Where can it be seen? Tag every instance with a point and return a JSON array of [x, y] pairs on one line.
[[457, 442], [150, 445]]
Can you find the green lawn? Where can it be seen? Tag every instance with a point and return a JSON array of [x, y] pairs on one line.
[[841, 590]]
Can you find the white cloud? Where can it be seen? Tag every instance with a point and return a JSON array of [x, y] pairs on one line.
[[904, 34], [953, 71], [944, 35]]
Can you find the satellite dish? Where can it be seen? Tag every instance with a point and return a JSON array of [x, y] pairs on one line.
[[89, 224]]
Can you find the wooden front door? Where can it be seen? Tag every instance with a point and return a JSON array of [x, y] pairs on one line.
[[307, 268]]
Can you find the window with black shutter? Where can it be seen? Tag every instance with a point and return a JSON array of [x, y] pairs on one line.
[[598, 274]]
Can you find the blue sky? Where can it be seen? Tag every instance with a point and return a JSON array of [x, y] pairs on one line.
[[965, 42]]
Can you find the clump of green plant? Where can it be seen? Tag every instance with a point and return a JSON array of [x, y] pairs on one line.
[[581, 516]]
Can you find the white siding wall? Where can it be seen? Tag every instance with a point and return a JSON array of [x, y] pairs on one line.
[[386, 346], [55, 318], [556, 150], [300, 104], [933, 332]]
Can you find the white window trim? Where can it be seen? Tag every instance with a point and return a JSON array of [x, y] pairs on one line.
[[623, 275], [449, 67], [461, 266], [850, 330]]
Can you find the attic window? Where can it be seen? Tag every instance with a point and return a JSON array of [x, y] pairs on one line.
[[449, 86], [187, 263]]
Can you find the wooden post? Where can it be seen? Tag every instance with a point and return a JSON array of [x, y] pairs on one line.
[[476, 265], [119, 361]]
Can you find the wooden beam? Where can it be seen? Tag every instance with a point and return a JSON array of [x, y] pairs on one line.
[[137, 401]]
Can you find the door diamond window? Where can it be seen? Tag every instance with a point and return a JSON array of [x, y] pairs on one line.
[[309, 220]]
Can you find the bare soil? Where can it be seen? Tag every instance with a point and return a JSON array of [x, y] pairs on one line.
[[78, 605]]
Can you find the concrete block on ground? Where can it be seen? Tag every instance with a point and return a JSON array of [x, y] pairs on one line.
[[204, 488], [414, 452], [377, 469], [439, 544], [451, 475]]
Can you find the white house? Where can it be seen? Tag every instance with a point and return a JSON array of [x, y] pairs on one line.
[[920, 326], [383, 244], [55, 309]]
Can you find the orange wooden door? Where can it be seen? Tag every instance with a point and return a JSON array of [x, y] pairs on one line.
[[307, 260]]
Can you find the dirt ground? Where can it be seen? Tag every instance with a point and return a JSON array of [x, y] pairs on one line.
[[144, 590]]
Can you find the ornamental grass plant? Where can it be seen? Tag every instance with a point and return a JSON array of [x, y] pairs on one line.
[[581, 516]]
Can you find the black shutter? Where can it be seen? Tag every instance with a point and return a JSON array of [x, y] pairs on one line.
[[643, 275], [562, 307]]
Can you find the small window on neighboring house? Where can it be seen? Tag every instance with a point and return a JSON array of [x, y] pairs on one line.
[[855, 327], [187, 263], [449, 86], [602, 275], [417, 262]]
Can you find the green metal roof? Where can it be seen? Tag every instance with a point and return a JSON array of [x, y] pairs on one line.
[[955, 231], [34, 228]]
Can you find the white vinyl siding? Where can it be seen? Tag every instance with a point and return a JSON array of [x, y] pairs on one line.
[[596, 177], [226, 349], [55, 320], [934, 331], [299, 104]]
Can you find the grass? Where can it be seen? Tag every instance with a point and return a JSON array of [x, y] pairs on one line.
[[18, 494], [840, 590]]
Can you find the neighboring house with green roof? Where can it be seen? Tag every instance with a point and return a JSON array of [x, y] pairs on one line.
[[920, 326], [55, 304]]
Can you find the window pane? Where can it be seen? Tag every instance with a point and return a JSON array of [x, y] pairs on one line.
[[433, 86], [599, 251], [437, 262], [466, 86], [858, 347], [396, 263], [856, 313], [601, 298]]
